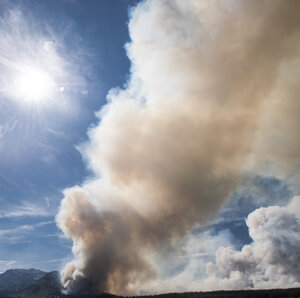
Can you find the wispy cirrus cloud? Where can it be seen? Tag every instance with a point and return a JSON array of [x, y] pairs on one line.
[[60, 260], [27, 209], [23, 228], [20, 232]]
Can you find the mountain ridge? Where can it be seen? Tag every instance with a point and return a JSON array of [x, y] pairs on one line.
[[13, 280], [48, 285]]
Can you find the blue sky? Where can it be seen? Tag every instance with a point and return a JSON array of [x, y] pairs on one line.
[[38, 158], [155, 126]]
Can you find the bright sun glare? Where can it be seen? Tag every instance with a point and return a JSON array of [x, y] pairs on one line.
[[33, 84]]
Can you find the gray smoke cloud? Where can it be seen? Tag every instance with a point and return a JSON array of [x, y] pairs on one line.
[[209, 262], [171, 147], [270, 261]]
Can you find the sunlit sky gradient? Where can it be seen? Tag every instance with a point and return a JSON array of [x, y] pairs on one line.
[[38, 157], [75, 50]]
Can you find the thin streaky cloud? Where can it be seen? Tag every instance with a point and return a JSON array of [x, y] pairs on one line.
[[26, 210], [11, 233]]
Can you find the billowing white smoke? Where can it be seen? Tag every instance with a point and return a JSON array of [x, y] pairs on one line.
[[172, 146], [272, 260]]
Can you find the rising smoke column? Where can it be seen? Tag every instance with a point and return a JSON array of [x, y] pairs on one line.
[[171, 147]]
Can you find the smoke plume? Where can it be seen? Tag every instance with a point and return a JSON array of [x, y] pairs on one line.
[[271, 260], [171, 147]]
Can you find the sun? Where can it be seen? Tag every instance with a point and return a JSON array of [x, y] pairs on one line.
[[33, 84]]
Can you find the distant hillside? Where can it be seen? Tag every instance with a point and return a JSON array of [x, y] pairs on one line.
[[47, 286], [32, 283], [14, 280]]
